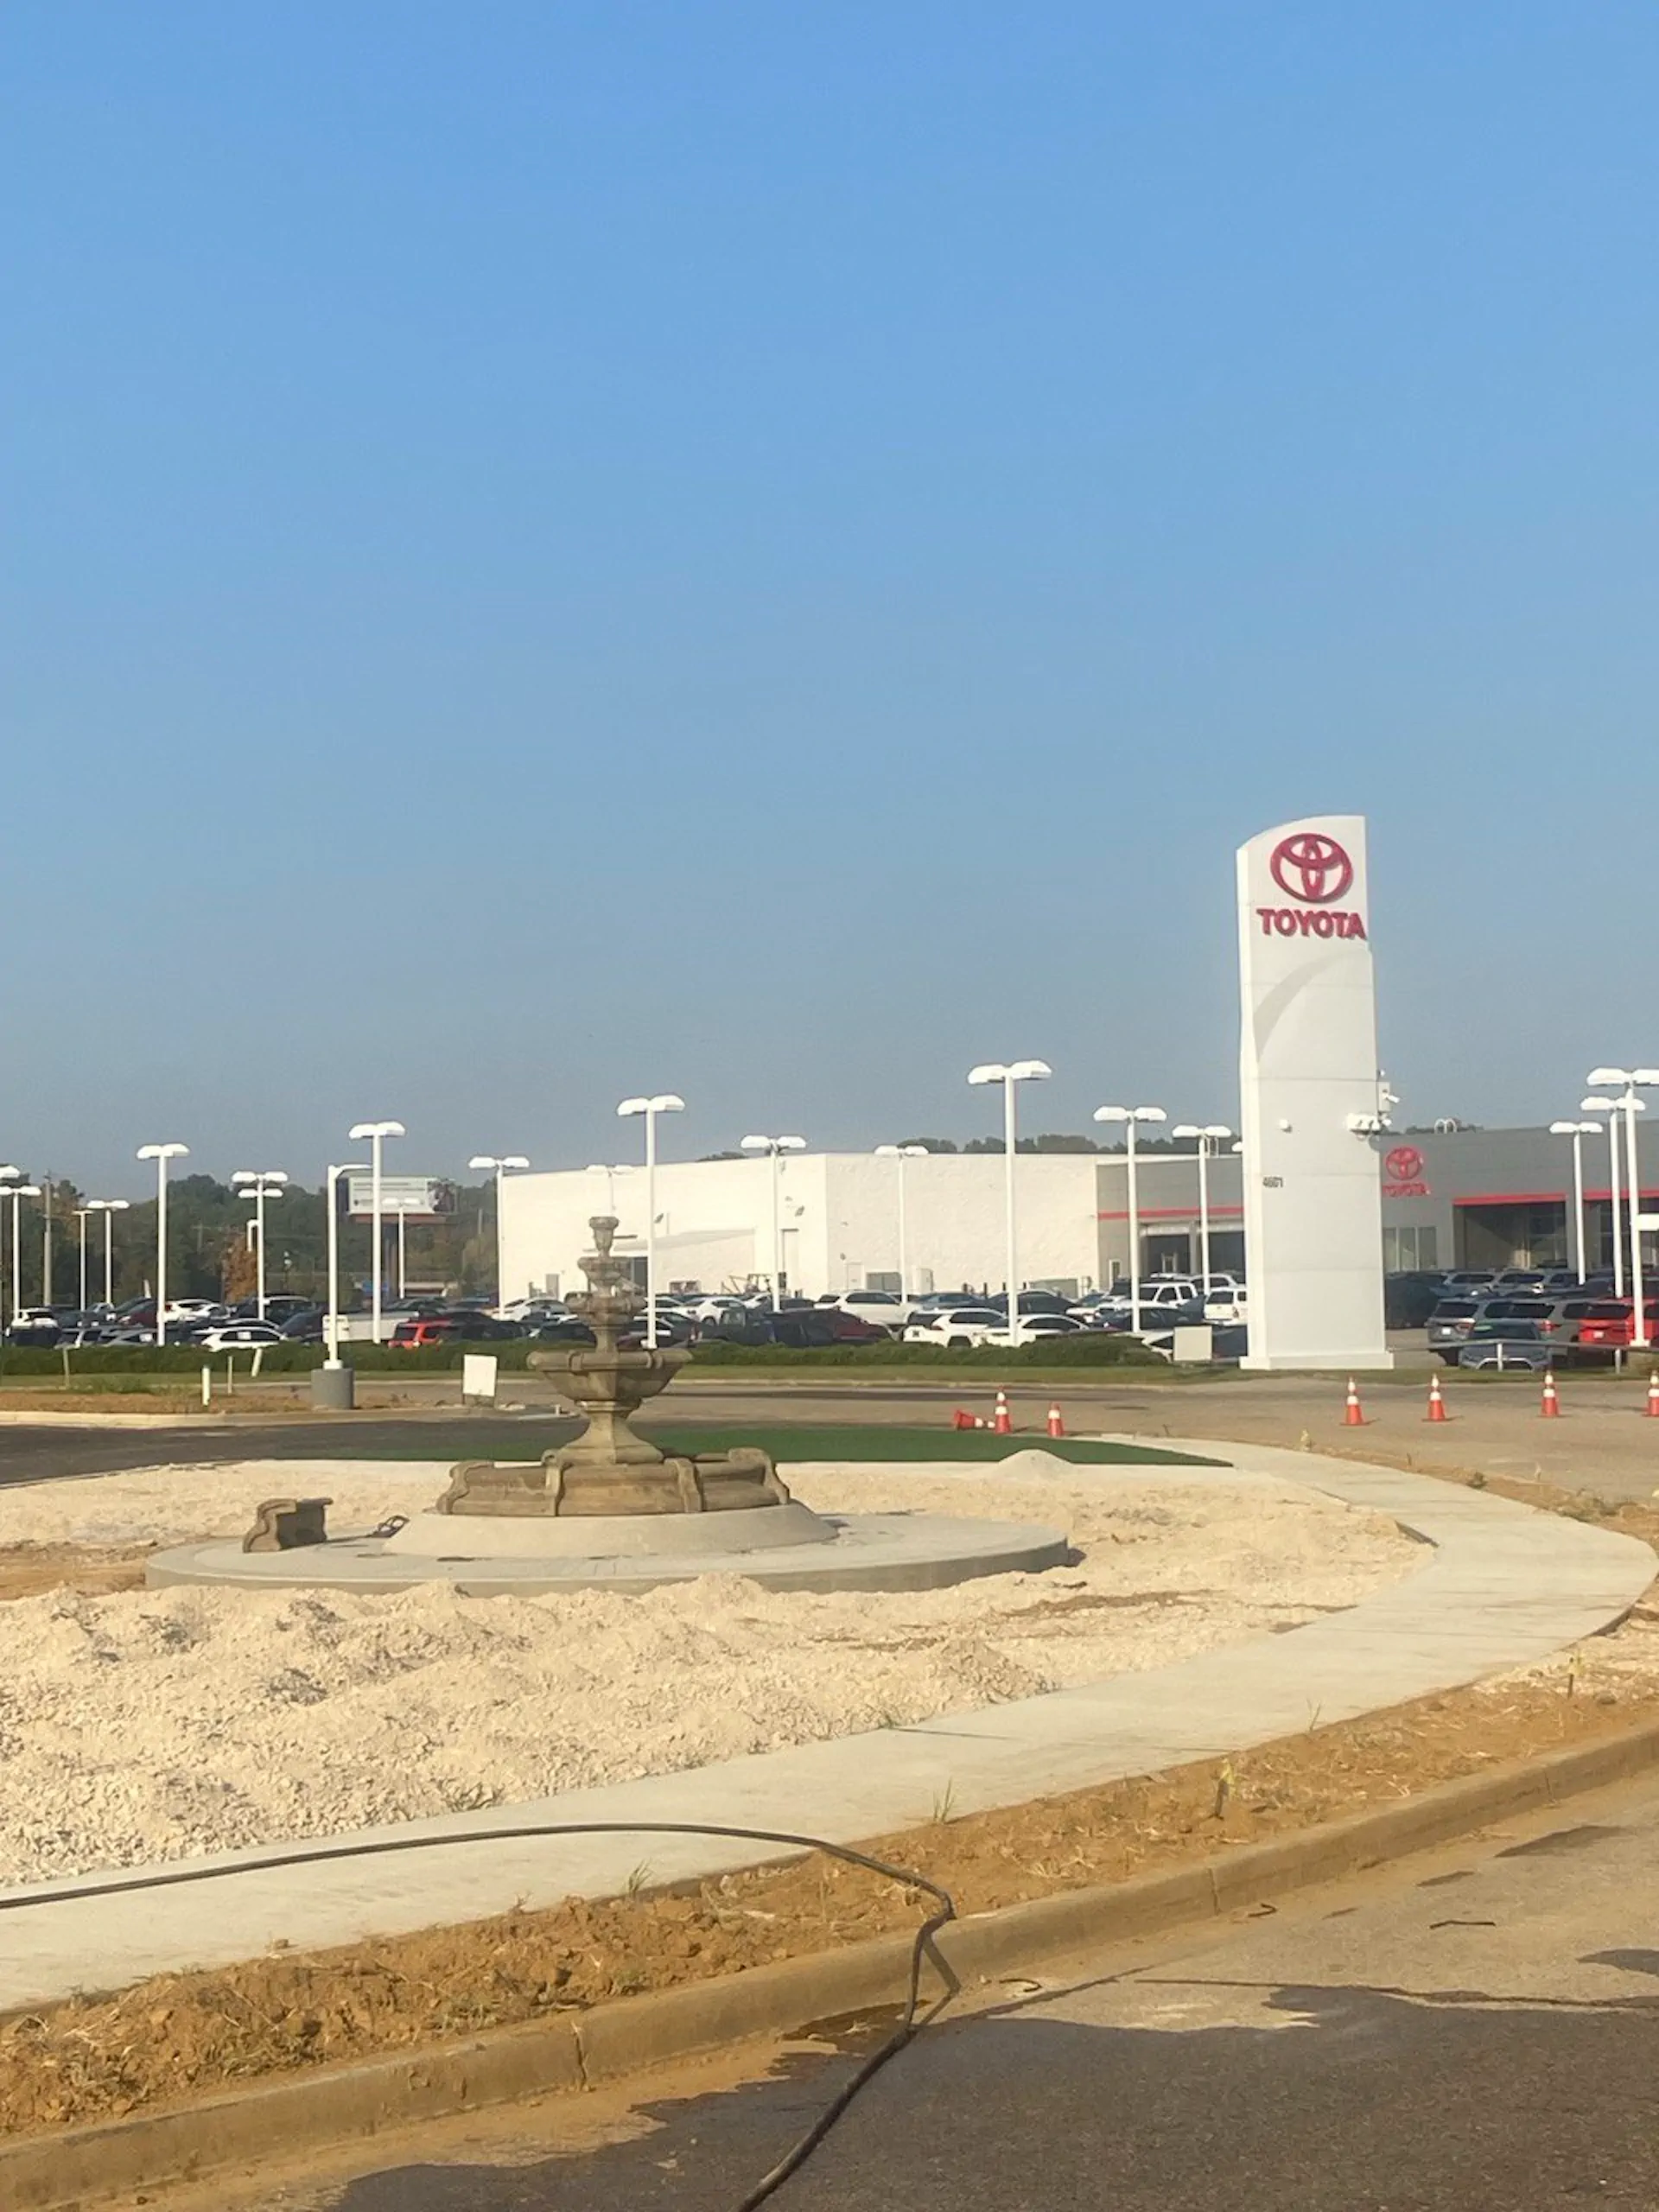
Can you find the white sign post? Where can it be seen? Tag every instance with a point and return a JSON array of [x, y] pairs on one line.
[[478, 1376], [1310, 1098]]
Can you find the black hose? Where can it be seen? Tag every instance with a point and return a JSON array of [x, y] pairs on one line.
[[912, 2019]]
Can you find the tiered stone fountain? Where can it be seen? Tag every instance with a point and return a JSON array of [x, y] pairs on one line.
[[609, 1510]]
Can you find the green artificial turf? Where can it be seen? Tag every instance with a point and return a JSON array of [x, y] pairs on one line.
[[788, 1443]]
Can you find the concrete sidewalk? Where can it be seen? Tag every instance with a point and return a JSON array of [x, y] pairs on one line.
[[1504, 1585]]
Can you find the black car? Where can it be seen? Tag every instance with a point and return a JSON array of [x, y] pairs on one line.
[[563, 1329]]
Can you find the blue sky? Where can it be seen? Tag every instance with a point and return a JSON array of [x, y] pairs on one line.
[[775, 552]]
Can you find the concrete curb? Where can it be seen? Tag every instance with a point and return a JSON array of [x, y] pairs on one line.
[[77, 2166]]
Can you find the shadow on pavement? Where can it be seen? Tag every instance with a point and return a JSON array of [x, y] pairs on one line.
[[1326, 2100]]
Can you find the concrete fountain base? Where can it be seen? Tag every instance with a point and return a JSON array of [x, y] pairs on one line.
[[781, 1547]]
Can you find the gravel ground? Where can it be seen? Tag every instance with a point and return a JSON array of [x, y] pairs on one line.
[[151, 1725]]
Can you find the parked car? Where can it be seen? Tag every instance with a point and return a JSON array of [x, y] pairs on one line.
[[1609, 1326], [236, 1336], [1447, 1328], [563, 1329], [280, 1306], [1502, 1344], [1409, 1298], [884, 1308], [35, 1324], [953, 1328], [305, 1327]]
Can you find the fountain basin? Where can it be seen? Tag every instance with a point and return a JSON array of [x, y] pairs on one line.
[[494, 1557]]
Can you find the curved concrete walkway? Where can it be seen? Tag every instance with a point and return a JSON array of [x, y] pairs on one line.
[[1505, 1584]]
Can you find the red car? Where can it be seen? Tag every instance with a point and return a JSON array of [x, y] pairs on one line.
[[1609, 1325], [415, 1335]]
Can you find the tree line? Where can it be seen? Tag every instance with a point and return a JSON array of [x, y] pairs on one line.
[[208, 1249]]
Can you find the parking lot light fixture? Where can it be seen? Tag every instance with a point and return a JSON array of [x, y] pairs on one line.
[[777, 1147], [83, 1214], [1205, 1141], [161, 1154], [663, 1102], [1607, 1106], [1010, 1074], [331, 1333], [899, 1153], [259, 1183], [15, 1191], [499, 1168], [109, 1208], [1130, 1118], [1628, 1081], [374, 1134], [1578, 1131], [9, 1175]]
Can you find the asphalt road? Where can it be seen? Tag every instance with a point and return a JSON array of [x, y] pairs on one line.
[[1478, 2032]]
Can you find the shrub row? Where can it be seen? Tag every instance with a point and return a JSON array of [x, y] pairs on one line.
[[512, 1353]]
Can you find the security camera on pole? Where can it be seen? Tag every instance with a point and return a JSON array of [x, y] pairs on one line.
[[375, 1133], [664, 1102], [1010, 1074], [776, 1147], [259, 1183], [161, 1154]]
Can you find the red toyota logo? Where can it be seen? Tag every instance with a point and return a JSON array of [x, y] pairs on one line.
[[1312, 867], [1404, 1164]]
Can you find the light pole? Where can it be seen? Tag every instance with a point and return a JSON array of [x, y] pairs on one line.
[[1607, 1106], [260, 1183], [8, 1176], [161, 1154], [610, 1174], [498, 1169], [375, 1133], [1578, 1131], [665, 1102], [109, 1208], [81, 1213], [900, 1153], [352, 1168], [1206, 1140], [15, 1191], [777, 1147], [1131, 1118], [1010, 1074], [1631, 1080]]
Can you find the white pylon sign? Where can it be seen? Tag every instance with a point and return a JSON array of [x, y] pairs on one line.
[[1311, 1108]]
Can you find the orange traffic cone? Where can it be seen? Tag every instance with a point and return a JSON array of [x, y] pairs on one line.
[[1352, 1415], [1653, 1396], [1436, 1402], [961, 1419], [1056, 1424], [1002, 1424], [1551, 1408]]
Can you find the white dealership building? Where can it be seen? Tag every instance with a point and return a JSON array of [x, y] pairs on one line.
[[837, 1220]]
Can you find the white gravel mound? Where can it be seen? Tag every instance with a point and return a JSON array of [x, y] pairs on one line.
[[158, 1724]]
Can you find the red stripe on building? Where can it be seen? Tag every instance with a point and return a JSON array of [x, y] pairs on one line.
[[1541, 1197]]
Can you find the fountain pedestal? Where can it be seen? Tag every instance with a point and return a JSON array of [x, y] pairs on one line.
[[608, 1470]]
